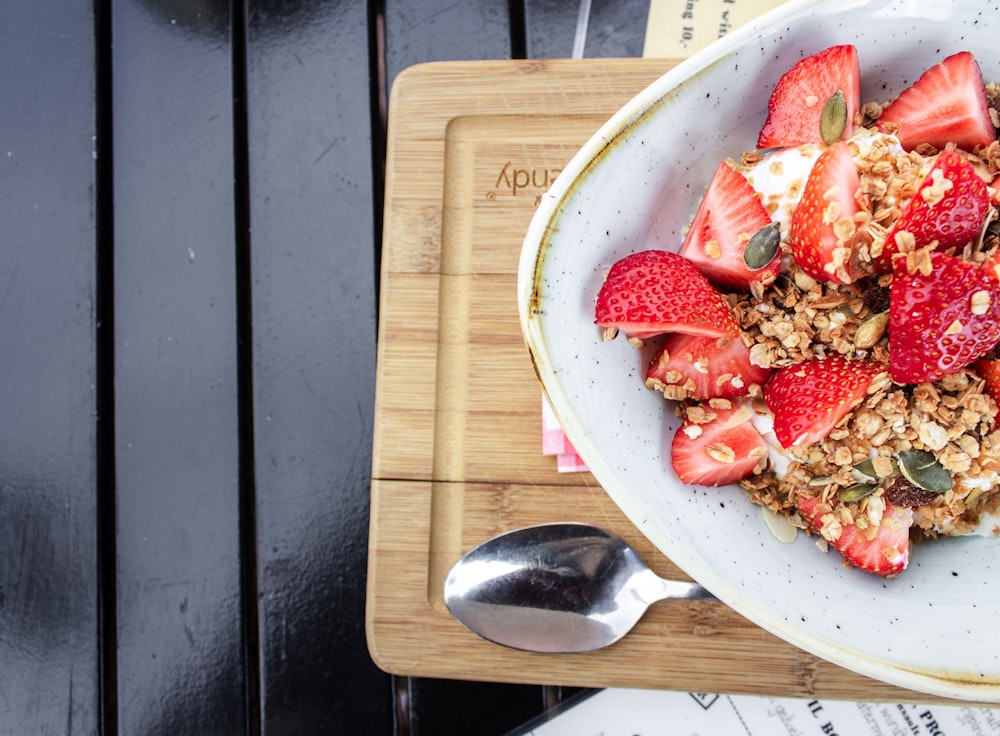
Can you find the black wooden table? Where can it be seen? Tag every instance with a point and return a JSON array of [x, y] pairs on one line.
[[190, 213]]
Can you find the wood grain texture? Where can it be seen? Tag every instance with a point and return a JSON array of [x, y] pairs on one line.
[[457, 440]]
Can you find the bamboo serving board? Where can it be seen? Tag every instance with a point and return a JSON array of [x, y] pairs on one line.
[[457, 440]]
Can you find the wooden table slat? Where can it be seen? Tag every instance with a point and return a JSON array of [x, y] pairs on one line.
[[49, 648], [613, 28], [443, 30], [180, 666], [312, 215]]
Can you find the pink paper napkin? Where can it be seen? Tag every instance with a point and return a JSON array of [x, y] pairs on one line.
[[555, 443]]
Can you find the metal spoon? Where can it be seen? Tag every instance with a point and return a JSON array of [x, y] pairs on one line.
[[556, 588]]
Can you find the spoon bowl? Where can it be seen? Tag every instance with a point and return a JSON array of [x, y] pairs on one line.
[[556, 588]]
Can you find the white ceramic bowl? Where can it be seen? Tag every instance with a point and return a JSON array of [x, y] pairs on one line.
[[635, 185]]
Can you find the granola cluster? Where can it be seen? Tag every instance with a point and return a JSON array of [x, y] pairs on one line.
[[798, 318]]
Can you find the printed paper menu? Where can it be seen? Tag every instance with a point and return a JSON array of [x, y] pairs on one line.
[[678, 28], [625, 712]]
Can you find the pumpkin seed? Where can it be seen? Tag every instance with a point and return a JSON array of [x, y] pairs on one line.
[[871, 331], [867, 469], [923, 470], [762, 247], [857, 491], [833, 119]]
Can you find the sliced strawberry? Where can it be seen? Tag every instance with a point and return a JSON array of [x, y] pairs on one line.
[[949, 208], [992, 266], [729, 215], [823, 228], [695, 367], [796, 105], [885, 552], [989, 370], [942, 316], [947, 104], [809, 399], [722, 447], [656, 291]]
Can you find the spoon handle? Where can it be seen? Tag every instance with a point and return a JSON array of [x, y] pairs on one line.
[[654, 588]]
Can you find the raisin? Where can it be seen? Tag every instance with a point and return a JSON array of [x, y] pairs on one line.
[[876, 296], [901, 492]]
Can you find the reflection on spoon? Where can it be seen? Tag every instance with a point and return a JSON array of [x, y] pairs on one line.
[[556, 588]]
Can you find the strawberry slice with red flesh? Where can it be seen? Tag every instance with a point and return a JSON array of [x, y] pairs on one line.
[[697, 367], [948, 208], [941, 318], [809, 399], [989, 370], [729, 215], [797, 102], [823, 227], [724, 449], [947, 104], [885, 553], [992, 266], [656, 291]]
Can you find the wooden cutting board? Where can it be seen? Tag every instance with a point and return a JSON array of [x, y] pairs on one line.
[[457, 442]]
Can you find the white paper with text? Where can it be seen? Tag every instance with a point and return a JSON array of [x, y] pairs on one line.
[[626, 712]]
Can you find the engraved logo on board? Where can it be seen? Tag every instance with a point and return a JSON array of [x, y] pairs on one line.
[[516, 180]]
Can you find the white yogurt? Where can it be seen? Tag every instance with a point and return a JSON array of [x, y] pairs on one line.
[[780, 176], [777, 458]]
